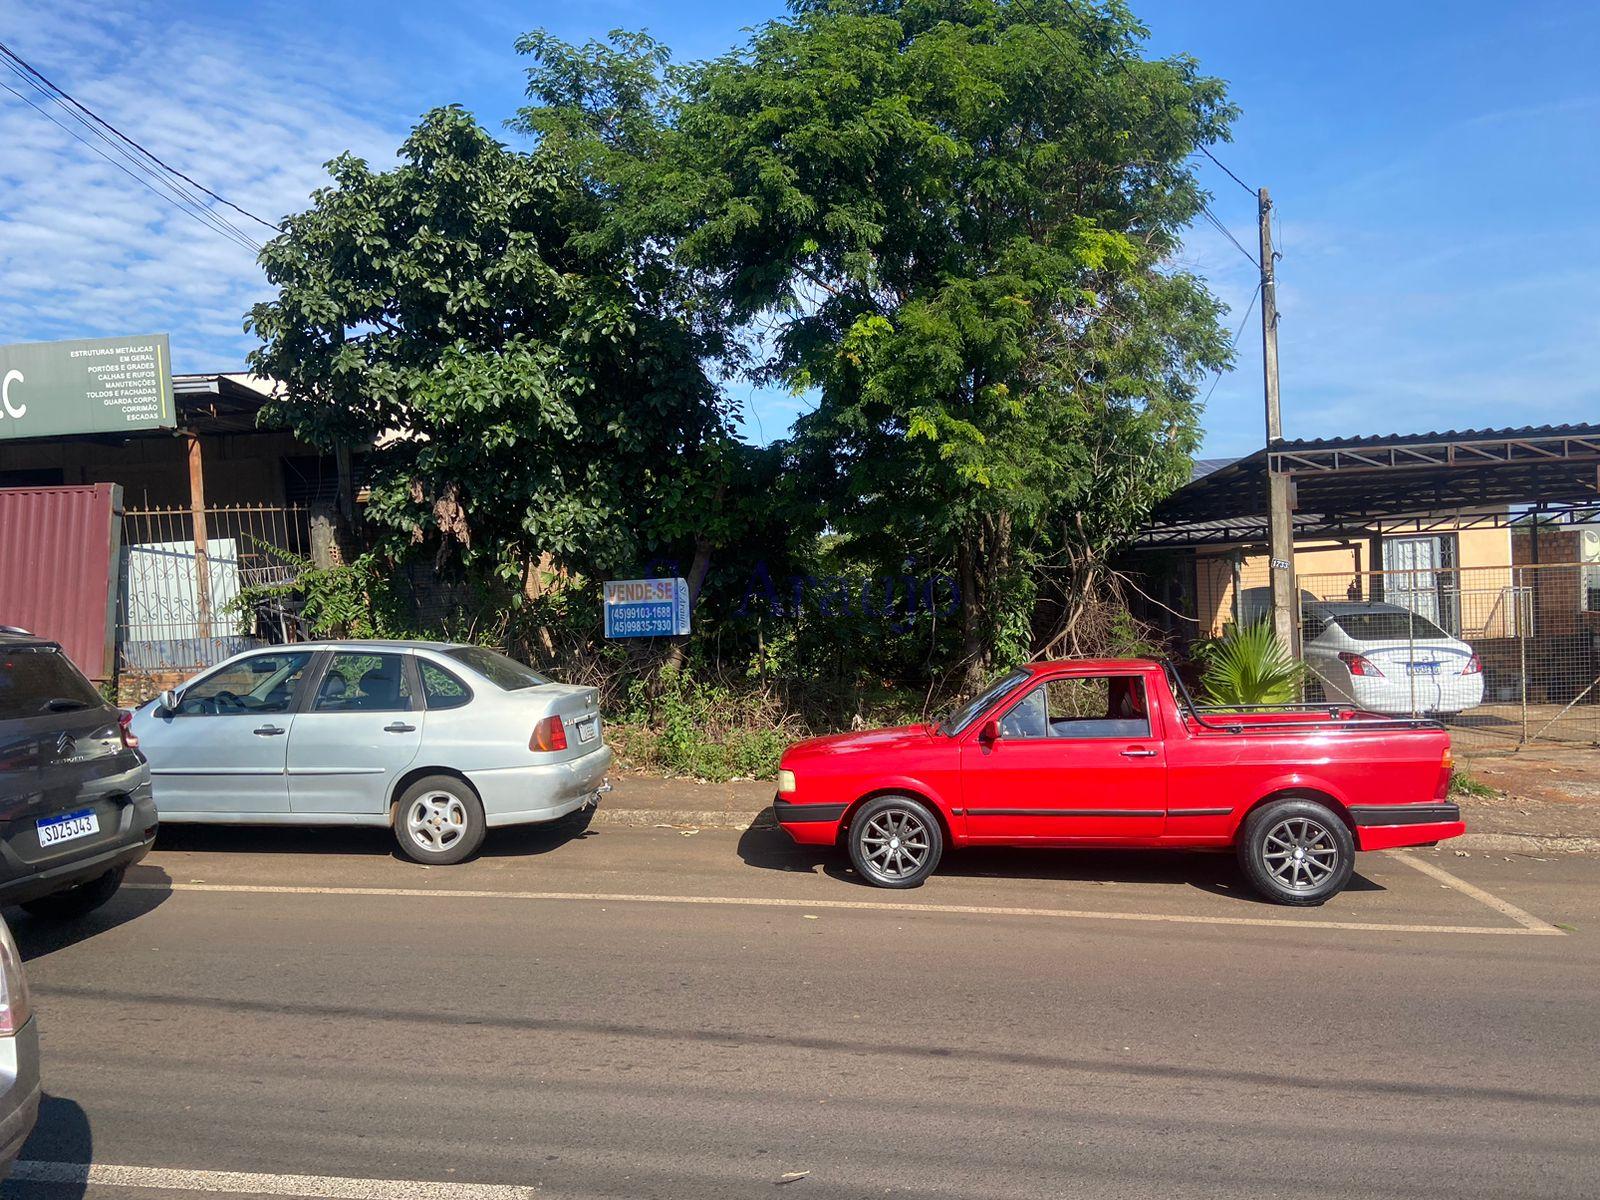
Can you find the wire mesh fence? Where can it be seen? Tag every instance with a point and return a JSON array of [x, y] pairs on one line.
[[190, 592], [1502, 654]]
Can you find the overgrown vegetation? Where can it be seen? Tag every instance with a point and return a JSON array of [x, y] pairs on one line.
[[1248, 667], [1463, 784], [953, 227]]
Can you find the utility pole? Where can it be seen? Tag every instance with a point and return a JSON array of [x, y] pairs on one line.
[[1285, 593]]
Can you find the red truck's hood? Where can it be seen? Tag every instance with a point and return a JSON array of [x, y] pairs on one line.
[[872, 740]]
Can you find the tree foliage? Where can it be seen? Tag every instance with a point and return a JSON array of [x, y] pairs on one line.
[[532, 395], [953, 223]]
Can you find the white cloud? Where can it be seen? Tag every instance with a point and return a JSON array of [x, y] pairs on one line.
[[244, 109]]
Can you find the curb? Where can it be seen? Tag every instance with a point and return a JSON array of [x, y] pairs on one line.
[[688, 818]]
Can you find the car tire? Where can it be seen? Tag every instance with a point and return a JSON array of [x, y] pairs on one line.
[[439, 820], [895, 842], [1297, 852], [78, 901]]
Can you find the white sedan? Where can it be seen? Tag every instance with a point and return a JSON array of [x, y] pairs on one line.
[[438, 742], [1389, 659]]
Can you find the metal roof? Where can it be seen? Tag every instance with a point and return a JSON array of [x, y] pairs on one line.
[[1342, 485]]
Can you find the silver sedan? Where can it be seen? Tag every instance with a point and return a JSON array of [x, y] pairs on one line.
[[439, 742]]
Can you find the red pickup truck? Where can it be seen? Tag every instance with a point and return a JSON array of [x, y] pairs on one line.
[[1114, 753]]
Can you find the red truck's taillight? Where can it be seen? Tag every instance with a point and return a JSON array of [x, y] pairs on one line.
[[125, 726], [548, 734], [1360, 665], [1474, 666]]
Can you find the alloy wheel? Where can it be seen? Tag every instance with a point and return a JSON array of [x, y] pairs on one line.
[[896, 843], [1300, 853]]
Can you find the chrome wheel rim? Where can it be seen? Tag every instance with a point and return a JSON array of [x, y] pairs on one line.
[[896, 843], [1300, 853], [437, 821]]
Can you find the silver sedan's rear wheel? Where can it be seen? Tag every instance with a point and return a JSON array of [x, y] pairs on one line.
[[1297, 852], [895, 841], [439, 820]]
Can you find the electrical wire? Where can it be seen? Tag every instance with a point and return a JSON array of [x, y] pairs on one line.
[[1210, 216], [225, 230], [124, 153], [1233, 342], [97, 119]]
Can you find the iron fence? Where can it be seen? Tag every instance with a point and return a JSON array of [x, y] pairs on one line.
[[1502, 654], [196, 591]]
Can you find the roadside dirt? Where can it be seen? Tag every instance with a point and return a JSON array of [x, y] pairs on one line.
[[1543, 793]]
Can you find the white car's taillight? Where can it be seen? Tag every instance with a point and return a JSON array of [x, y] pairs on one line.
[[1474, 666], [15, 1007], [1359, 664]]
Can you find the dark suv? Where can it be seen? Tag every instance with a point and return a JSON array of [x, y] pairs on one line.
[[75, 804]]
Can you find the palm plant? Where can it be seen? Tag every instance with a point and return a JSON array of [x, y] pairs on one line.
[[1249, 666]]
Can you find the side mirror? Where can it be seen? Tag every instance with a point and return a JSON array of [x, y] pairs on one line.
[[169, 701], [989, 734]]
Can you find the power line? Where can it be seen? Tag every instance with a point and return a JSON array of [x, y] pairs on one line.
[[1206, 150], [1233, 342], [222, 228], [1216, 224], [157, 174]]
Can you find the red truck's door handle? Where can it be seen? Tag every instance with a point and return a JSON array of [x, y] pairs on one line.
[[1135, 752]]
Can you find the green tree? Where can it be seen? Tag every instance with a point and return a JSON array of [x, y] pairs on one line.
[[956, 220], [534, 398]]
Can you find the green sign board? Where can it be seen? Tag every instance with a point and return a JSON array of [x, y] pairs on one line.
[[102, 385]]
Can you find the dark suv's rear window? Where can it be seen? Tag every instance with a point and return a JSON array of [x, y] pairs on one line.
[[36, 682]]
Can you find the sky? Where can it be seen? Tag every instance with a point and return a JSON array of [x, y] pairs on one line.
[[1432, 167]]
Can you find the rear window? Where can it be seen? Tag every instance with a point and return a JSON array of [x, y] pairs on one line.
[[1386, 626], [499, 669], [36, 682]]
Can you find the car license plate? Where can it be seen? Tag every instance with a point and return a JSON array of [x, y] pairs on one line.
[[1423, 668], [586, 729], [54, 830]]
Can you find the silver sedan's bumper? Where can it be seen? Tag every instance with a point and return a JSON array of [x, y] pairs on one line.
[[546, 792], [19, 1091]]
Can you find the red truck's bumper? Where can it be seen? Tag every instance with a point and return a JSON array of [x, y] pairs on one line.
[[809, 824], [1383, 827]]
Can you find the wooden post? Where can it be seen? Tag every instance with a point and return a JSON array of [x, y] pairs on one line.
[[197, 510], [1285, 593]]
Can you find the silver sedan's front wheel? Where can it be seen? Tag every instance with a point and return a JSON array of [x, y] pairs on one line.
[[895, 841], [439, 820]]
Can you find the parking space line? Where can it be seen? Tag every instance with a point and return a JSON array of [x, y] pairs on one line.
[[1074, 914], [1526, 919], [247, 1183]]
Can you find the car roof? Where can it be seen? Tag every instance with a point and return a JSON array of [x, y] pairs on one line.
[[1341, 608], [373, 644], [26, 641]]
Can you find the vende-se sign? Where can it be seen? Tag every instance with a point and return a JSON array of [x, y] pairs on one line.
[[100, 385], [646, 608]]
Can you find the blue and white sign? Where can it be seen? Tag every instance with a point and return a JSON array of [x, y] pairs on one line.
[[646, 608]]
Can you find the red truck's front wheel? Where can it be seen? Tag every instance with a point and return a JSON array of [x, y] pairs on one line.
[[1297, 852]]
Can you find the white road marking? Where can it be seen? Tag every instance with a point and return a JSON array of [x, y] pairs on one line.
[[247, 1183], [986, 910], [1526, 919]]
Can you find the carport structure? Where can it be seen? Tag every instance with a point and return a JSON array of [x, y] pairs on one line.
[[1492, 535]]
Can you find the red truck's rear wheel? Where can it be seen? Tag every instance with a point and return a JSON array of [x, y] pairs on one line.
[[1297, 852]]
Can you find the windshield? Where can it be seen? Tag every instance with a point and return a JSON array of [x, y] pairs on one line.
[[953, 722], [1387, 624], [499, 669]]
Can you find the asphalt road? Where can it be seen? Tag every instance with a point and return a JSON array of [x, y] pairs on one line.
[[644, 1013]]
